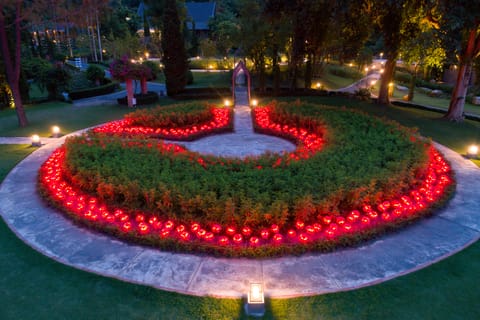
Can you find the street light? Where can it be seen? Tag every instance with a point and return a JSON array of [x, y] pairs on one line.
[[36, 141]]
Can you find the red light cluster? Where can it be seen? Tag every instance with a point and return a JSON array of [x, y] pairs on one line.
[[308, 142], [220, 119], [327, 226]]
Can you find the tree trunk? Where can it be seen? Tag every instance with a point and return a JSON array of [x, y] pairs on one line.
[[129, 87], [457, 102], [276, 71], [387, 76], [12, 67], [143, 85], [98, 35], [308, 72], [411, 88]]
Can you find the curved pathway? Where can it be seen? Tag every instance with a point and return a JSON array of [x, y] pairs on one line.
[[412, 248]]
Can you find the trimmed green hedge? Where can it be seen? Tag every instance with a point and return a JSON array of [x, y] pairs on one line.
[[141, 98], [365, 160], [92, 92], [175, 116]]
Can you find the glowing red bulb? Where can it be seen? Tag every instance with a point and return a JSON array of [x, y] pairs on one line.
[[216, 228], [265, 233], [254, 241], [303, 237], [231, 231], [299, 224], [275, 228], [246, 231], [237, 238], [277, 238]]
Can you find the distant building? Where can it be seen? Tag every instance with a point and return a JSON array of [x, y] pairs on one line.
[[198, 16]]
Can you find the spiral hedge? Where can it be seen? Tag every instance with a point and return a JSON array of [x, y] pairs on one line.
[[351, 177]]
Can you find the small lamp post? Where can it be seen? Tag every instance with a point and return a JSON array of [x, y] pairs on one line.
[[254, 102], [36, 141], [55, 131], [255, 300], [227, 103], [390, 89], [472, 152]]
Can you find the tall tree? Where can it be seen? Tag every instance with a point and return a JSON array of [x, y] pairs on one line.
[[424, 51], [174, 54], [11, 11], [459, 22], [398, 21]]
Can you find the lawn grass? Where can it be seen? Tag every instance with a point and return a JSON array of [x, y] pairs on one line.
[[211, 80], [35, 287], [68, 117], [425, 100], [11, 155]]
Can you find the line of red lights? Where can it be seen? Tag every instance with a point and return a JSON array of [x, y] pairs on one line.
[[326, 227]]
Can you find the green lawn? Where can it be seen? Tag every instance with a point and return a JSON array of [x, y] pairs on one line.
[[423, 99], [68, 117], [35, 287], [211, 80]]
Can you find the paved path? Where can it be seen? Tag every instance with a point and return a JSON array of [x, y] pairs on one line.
[[417, 246], [243, 142]]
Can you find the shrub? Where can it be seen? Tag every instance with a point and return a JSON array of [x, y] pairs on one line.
[[160, 194], [343, 71], [174, 116], [141, 98], [154, 67], [92, 92], [95, 74]]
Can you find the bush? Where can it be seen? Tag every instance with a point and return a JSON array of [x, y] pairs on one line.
[[189, 77], [92, 92], [154, 67], [174, 116], [343, 71], [141, 98], [95, 74], [203, 93], [403, 77], [365, 161], [56, 81]]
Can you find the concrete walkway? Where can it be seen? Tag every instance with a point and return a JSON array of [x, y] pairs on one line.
[[426, 242]]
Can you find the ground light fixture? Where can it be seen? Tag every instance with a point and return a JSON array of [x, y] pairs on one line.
[[36, 140], [318, 85], [472, 152], [255, 300], [56, 131], [227, 103], [254, 102]]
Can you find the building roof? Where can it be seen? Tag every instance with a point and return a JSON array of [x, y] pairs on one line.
[[201, 13]]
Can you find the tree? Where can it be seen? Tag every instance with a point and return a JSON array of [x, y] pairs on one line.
[[425, 50], [459, 22], [174, 54], [398, 21], [10, 47]]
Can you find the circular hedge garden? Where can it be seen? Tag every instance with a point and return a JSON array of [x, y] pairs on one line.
[[351, 177]]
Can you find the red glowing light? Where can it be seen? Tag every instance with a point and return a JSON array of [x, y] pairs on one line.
[[237, 238], [246, 231], [254, 241]]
